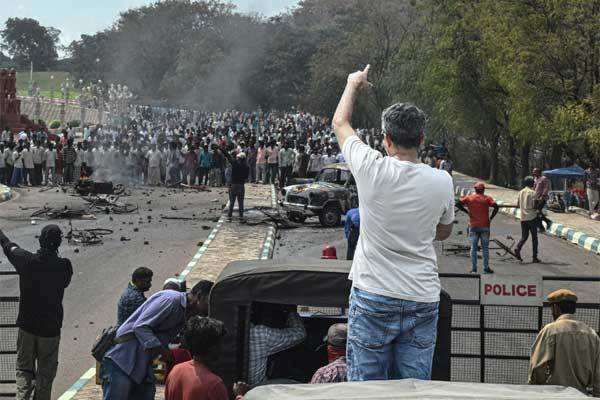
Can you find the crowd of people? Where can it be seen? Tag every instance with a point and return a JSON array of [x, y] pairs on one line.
[[169, 147], [391, 330]]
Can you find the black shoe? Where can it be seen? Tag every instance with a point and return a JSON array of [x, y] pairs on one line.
[[488, 271], [518, 255], [536, 260], [228, 219]]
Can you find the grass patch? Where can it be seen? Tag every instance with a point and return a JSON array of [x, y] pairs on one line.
[[48, 81]]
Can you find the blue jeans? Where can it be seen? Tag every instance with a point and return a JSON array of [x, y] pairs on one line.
[[116, 384], [475, 236], [390, 338], [17, 177]]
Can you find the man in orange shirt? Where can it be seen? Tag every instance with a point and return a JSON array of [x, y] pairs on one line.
[[478, 205], [193, 380]]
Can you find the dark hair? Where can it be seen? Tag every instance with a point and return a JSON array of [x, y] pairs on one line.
[[202, 289], [202, 335], [567, 307], [141, 273], [404, 124], [269, 314], [528, 181]]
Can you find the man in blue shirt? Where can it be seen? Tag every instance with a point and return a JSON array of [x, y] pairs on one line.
[[133, 296], [126, 370], [352, 231]]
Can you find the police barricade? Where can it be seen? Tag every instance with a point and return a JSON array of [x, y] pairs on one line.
[[9, 307], [496, 318]]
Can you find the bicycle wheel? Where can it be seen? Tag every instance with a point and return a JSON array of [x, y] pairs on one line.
[[42, 211], [124, 209]]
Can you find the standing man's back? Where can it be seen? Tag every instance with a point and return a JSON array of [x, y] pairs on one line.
[[404, 207], [43, 277]]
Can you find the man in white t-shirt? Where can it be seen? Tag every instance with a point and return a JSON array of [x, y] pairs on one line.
[[404, 206]]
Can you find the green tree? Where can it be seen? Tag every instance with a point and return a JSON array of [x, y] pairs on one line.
[[91, 57], [27, 41]]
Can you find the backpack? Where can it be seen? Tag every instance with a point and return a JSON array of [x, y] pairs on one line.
[[107, 339]]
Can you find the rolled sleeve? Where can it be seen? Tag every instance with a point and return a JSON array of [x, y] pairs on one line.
[[146, 337]]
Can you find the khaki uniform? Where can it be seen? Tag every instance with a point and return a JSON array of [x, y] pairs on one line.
[[567, 353]]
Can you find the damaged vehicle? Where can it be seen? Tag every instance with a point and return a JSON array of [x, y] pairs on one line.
[[329, 196]]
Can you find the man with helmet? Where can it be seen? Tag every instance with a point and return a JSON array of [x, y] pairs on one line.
[[43, 277], [478, 205]]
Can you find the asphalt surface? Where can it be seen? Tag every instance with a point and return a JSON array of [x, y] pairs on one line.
[[101, 272], [560, 258]]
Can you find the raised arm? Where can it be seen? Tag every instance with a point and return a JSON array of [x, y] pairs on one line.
[[343, 114]]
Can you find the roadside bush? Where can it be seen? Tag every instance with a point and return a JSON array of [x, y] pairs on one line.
[[74, 124], [55, 124]]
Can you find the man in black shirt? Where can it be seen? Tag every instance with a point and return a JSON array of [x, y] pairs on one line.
[[239, 176], [43, 277]]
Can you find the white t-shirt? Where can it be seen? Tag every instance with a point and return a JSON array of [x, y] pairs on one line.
[[27, 158], [401, 204], [50, 158]]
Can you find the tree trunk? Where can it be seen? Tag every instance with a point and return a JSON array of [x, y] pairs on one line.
[[525, 152], [494, 160], [556, 156], [512, 155]]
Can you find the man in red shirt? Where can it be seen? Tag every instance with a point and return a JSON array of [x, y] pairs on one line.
[[193, 380], [478, 205]]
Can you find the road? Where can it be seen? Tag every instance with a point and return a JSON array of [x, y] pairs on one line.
[[101, 272]]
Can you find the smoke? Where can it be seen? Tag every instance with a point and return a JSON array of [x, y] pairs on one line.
[[189, 53], [228, 82]]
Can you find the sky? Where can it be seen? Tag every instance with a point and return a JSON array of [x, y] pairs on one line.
[[75, 17]]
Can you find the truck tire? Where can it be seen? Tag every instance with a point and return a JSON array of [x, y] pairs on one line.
[[331, 216]]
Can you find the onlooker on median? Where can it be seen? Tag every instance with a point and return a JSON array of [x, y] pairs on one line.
[[541, 185], [478, 205], [126, 371], [133, 296], [566, 351], [193, 380], [592, 186], [404, 206], [43, 277]]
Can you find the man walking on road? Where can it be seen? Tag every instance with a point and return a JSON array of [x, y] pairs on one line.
[[527, 202], [43, 277], [478, 205], [404, 206], [237, 187]]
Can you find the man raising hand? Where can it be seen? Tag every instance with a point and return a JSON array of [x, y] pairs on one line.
[[404, 206]]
